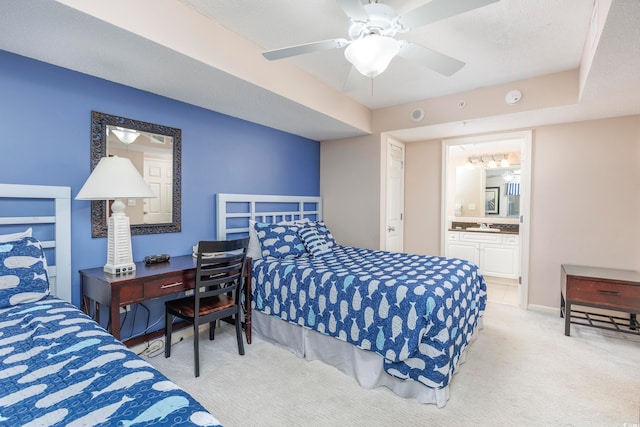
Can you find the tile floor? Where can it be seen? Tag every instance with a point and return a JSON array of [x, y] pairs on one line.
[[502, 291]]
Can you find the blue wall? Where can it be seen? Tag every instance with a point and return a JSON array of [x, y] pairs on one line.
[[44, 139]]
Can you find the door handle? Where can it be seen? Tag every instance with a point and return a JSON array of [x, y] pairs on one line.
[[391, 228]]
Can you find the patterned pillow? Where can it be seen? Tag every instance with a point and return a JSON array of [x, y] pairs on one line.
[[23, 272], [4, 238], [254, 250], [279, 241], [323, 231], [315, 243]]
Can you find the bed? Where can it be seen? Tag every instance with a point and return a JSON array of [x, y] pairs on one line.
[[401, 321], [57, 366]]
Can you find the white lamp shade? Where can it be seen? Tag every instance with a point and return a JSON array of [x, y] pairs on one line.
[[115, 178], [372, 54]]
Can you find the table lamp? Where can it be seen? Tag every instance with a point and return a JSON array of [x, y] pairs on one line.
[[116, 178]]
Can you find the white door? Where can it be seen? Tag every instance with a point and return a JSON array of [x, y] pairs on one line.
[[158, 174], [395, 196]]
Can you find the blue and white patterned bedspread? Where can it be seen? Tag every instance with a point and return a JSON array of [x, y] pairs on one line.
[[418, 312], [60, 368]]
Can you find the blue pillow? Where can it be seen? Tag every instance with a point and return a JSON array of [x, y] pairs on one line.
[[23, 272], [315, 243], [323, 231], [279, 241]]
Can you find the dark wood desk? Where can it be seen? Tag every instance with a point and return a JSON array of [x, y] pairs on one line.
[[146, 283], [605, 288]]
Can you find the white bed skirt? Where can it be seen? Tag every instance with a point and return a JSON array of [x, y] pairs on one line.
[[364, 366]]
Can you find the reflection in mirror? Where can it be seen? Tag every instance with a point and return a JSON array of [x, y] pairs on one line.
[[152, 155], [507, 181], [155, 150], [472, 184]]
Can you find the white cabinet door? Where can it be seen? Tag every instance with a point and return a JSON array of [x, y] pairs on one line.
[[495, 254], [463, 250], [459, 249], [499, 260]]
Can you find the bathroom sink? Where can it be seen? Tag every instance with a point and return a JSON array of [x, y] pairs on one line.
[[488, 230]]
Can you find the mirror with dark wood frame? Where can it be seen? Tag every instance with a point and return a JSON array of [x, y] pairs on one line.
[[156, 151]]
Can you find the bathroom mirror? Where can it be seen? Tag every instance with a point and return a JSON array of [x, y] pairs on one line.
[[155, 150], [474, 184]]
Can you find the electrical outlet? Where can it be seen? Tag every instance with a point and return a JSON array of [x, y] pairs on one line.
[[125, 309]]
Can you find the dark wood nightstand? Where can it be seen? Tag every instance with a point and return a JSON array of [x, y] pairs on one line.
[[149, 281], [605, 288]]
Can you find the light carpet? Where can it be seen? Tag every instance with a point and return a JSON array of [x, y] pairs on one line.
[[521, 370]]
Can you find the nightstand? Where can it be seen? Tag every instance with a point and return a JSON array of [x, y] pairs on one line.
[[605, 288]]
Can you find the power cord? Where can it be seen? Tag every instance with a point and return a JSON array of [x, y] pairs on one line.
[[159, 344]]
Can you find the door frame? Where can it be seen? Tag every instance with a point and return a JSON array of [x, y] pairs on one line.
[[525, 197], [401, 145]]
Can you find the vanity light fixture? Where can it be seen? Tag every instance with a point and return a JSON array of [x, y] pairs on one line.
[[489, 161], [473, 162]]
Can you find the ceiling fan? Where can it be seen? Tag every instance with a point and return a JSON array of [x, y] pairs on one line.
[[372, 43]]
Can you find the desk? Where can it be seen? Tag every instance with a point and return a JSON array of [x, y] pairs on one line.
[[605, 288], [149, 281]]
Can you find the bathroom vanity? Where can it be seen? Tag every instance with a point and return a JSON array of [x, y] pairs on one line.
[[496, 251]]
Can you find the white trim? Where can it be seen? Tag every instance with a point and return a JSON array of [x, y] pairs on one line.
[[525, 200], [60, 273], [391, 142], [253, 201], [544, 309], [525, 215]]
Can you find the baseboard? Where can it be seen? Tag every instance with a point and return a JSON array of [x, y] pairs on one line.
[[543, 308]]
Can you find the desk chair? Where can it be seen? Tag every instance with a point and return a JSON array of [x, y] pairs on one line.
[[217, 293]]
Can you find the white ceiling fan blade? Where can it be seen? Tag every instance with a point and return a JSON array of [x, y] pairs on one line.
[[301, 49], [429, 58], [354, 10], [437, 10]]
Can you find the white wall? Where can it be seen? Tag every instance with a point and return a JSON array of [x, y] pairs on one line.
[[585, 200], [585, 204]]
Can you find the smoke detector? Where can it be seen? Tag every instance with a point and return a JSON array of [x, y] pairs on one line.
[[513, 97]]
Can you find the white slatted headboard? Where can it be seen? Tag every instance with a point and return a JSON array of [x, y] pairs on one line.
[[233, 211], [46, 209]]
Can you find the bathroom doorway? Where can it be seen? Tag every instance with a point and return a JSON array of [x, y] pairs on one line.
[[487, 182]]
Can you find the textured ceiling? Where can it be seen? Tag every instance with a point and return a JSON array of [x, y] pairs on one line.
[[502, 42]]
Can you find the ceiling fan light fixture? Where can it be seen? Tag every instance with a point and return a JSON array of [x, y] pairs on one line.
[[372, 54], [126, 136]]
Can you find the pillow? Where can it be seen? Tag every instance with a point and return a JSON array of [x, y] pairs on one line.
[[279, 241], [23, 272], [4, 238], [315, 243], [323, 231], [255, 249]]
